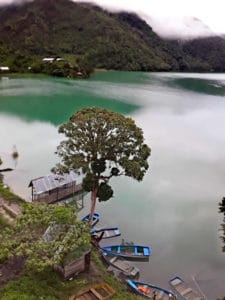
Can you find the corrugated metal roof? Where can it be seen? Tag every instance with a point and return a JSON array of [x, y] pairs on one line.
[[53, 181]]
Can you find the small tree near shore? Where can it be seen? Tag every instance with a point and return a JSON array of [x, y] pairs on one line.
[[222, 210], [104, 144]]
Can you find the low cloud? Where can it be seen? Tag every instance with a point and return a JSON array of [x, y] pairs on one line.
[[174, 18], [7, 2], [175, 27], [167, 18]]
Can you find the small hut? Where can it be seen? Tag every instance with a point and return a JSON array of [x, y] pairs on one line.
[[53, 188], [4, 69], [48, 59], [76, 262]]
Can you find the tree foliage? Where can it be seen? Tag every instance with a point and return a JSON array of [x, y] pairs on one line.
[[41, 248], [104, 144], [222, 210]]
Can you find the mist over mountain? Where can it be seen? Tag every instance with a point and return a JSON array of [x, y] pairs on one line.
[[179, 27], [94, 36], [166, 25]]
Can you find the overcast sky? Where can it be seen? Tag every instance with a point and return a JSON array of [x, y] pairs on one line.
[[166, 15], [170, 13]]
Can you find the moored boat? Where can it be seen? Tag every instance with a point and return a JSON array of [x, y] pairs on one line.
[[150, 290], [101, 291], [95, 219], [121, 264], [105, 233], [128, 251], [181, 287]]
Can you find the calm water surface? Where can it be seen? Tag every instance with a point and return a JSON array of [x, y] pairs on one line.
[[175, 208]]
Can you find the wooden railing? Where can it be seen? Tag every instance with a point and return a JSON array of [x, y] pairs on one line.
[[58, 194]]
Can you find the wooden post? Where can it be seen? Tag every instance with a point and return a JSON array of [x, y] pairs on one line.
[[87, 260]]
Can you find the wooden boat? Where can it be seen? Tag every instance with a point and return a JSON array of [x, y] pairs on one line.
[[95, 219], [121, 264], [150, 290], [128, 251], [184, 290], [101, 291], [106, 233]]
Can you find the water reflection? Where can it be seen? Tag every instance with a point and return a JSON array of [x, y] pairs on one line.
[[205, 86], [175, 208], [54, 100]]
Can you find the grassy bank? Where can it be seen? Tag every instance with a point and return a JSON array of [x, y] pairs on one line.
[[49, 285], [7, 195], [28, 285]]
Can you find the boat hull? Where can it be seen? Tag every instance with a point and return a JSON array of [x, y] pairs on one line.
[[107, 232], [95, 219], [121, 264], [101, 291], [150, 291], [184, 290], [128, 251]]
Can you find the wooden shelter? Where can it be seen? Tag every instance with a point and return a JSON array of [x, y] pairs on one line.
[[76, 264], [76, 261], [53, 188]]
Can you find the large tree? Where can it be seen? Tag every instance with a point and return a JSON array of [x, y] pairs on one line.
[[103, 144], [44, 235]]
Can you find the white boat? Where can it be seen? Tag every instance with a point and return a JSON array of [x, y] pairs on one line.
[[185, 291], [105, 233]]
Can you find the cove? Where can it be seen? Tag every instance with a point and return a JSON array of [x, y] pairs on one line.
[[175, 208]]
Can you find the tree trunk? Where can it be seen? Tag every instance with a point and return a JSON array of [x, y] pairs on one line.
[[93, 201]]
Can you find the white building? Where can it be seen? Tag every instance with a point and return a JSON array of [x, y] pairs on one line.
[[48, 59], [4, 69]]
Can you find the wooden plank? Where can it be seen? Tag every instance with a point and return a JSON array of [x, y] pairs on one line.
[[98, 296], [101, 291]]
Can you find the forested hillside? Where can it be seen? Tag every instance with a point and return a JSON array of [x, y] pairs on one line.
[[89, 37]]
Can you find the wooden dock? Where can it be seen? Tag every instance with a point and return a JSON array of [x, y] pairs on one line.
[[101, 291]]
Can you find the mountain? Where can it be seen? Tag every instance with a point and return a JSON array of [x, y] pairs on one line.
[[90, 37]]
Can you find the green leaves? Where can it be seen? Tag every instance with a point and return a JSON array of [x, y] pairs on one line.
[[98, 166], [44, 234], [222, 206], [105, 192], [222, 210], [115, 171], [104, 144]]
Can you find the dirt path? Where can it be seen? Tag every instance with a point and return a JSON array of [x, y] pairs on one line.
[[10, 269]]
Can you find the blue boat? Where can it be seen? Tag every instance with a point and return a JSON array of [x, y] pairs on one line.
[[150, 291], [185, 291], [128, 251], [105, 233], [95, 219]]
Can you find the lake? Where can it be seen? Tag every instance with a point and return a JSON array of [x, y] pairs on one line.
[[175, 208]]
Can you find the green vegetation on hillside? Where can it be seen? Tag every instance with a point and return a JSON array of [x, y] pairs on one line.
[[88, 37]]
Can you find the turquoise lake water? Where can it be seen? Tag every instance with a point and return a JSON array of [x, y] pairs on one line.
[[175, 208]]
